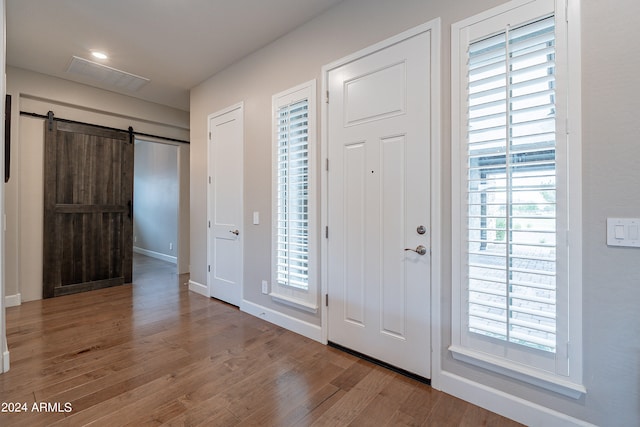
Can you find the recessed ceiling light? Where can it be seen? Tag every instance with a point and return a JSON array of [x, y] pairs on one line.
[[99, 55]]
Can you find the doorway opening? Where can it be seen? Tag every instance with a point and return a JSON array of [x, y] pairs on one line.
[[159, 226]]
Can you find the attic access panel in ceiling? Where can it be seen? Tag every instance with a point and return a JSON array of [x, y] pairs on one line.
[[106, 75]]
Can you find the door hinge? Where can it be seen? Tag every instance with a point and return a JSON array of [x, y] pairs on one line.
[[327, 165], [326, 300], [209, 224], [326, 232], [209, 268], [209, 135], [209, 180], [327, 99]]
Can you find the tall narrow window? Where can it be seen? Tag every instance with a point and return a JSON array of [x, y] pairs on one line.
[[516, 195], [294, 136], [293, 195], [512, 186]]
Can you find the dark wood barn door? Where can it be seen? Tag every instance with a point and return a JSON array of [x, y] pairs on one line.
[[88, 212]]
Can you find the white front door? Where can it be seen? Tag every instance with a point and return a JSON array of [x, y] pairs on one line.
[[378, 216], [225, 205]]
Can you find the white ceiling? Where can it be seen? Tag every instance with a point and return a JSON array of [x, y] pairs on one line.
[[175, 43]]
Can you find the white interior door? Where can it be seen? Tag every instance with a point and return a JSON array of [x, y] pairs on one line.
[[225, 205], [379, 204]]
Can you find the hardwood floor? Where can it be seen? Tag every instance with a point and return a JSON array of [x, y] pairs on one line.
[[153, 353]]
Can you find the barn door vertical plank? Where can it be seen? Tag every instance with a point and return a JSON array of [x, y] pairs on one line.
[[51, 248]]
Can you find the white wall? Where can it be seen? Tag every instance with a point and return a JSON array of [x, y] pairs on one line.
[[611, 178], [156, 194], [37, 93]]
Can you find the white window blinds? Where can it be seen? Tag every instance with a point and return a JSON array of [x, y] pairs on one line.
[[292, 183], [516, 181], [511, 184]]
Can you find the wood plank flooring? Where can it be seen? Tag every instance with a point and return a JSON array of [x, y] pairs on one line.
[[153, 353]]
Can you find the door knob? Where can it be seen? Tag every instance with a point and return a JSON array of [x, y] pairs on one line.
[[236, 232], [420, 250], [421, 229]]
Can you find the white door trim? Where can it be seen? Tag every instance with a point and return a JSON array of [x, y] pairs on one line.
[[436, 181], [224, 111]]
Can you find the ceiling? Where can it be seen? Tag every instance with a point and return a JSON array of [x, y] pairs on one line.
[[177, 44]]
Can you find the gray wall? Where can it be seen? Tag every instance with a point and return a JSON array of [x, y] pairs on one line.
[[611, 152], [292, 60], [611, 98], [155, 199]]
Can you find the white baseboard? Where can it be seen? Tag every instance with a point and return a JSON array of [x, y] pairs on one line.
[[298, 326], [199, 288], [156, 255], [12, 300], [509, 406]]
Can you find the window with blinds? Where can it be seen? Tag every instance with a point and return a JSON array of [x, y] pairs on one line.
[[517, 193], [292, 230], [293, 273], [511, 186]]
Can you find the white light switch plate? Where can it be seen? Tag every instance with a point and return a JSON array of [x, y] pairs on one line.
[[623, 232]]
